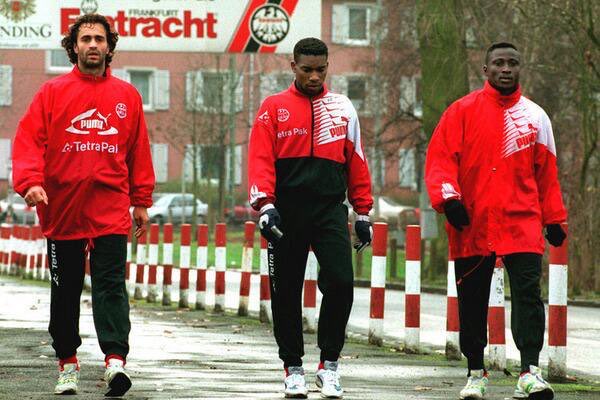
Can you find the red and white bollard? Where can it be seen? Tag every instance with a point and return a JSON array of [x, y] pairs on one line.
[[167, 263], [140, 259], [152, 264], [452, 320], [201, 264], [265, 286], [39, 252], [185, 260], [30, 251], [128, 263], [21, 257], [412, 294], [310, 293], [557, 310], [14, 247], [247, 253], [378, 268], [220, 266], [87, 280], [4, 239], [496, 320]]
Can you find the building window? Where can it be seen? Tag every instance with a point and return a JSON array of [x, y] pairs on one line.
[[152, 84], [357, 92], [6, 85], [357, 88], [57, 62], [411, 102], [210, 91], [142, 80], [358, 23], [274, 83], [350, 24]]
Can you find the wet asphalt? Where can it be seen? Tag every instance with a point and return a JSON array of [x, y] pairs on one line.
[[185, 354]]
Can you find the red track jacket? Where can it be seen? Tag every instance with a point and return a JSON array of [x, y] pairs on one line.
[[497, 155], [308, 147], [84, 140]]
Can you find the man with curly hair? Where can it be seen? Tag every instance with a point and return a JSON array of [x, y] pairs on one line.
[[82, 156]]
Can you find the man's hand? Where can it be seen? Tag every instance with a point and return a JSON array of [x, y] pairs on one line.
[[555, 234], [140, 216], [34, 195], [269, 223], [456, 214], [364, 232]]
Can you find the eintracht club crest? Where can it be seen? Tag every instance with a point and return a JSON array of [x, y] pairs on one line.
[[17, 10], [269, 24]]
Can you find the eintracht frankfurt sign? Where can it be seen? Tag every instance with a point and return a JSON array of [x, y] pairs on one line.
[[233, 26]]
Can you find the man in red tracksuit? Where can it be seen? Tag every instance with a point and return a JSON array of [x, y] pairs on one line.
[[305, 152], [81, 155], [491, 168]]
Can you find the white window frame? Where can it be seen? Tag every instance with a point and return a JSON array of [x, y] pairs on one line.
[[159, 92], [408, 101], [161, 164], [340, 24], [151, 84], [407, 173], [55, 69], [6, 85]]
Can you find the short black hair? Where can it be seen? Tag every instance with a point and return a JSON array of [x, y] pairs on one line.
[[310, 47], [70, 39], [498, 45]]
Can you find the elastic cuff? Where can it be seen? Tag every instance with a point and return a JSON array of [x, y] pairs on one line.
[[362, 218], [266, 207], [475, 362]]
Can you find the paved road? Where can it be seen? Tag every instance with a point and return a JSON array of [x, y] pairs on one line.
[[583, 337], [183, 355]]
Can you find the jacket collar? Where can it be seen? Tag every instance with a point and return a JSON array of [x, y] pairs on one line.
[[295, 91], [503, 101], [79, 74]]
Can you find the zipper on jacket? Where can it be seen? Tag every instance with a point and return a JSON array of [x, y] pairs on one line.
[[312, 126]]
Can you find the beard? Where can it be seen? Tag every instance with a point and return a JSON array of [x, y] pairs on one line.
[[89, 63]]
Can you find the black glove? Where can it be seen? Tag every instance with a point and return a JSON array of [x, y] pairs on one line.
[[364, 232], [555, 234], [456, 214], [268, 223]]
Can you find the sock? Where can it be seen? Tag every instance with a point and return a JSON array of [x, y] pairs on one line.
[[293, 370], [114, 359], [68, 360]]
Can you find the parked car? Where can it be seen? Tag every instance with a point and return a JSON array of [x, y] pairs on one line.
[[175, 207], [242, 213], [390, 211], [21, 212]]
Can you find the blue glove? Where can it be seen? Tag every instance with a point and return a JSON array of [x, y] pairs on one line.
[[364, 232], [268, 223]]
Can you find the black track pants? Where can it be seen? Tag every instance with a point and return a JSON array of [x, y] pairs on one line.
[[473, 277], [110, 303], [324, 226]]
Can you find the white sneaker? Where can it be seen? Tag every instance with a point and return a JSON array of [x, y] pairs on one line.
[[68, 379], [531, 385], [328, 379], [295, 385], [476, 386], [116, 378]]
